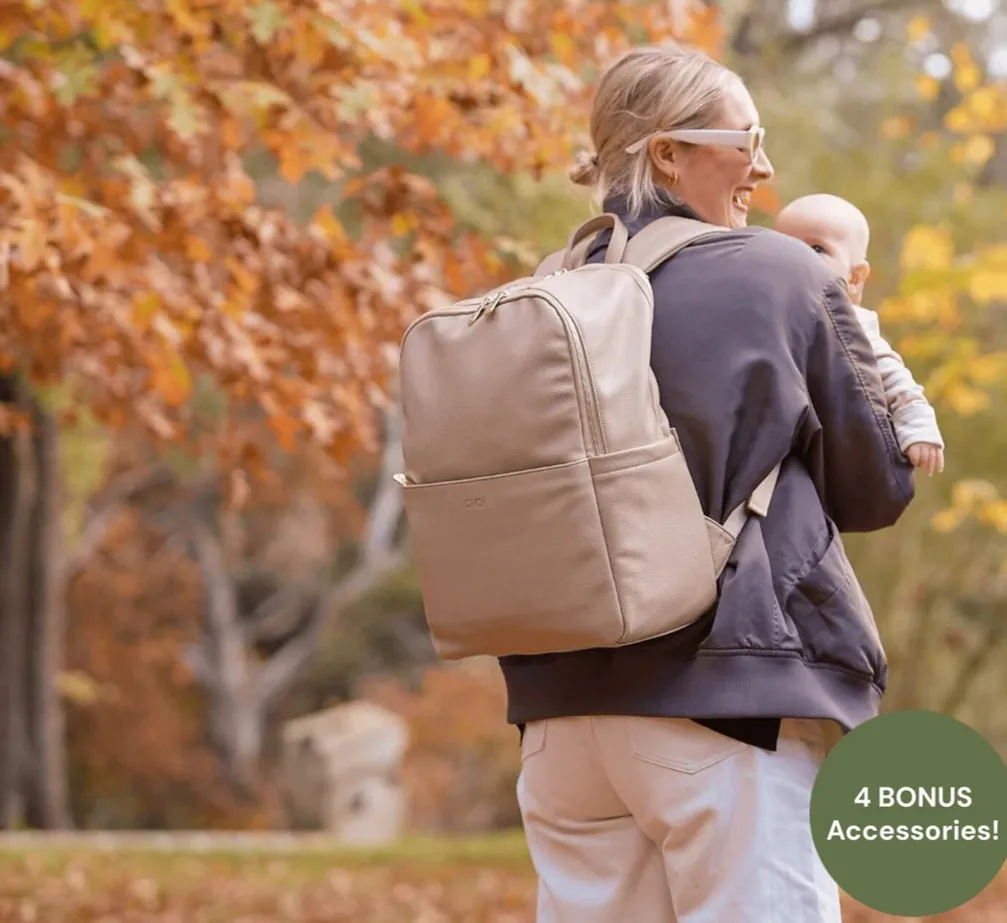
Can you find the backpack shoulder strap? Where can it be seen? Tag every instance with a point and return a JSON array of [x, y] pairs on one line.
[[757, 504], [659, 241], [662, 239], [575, 252]]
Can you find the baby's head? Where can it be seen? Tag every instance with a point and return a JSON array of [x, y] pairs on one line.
[[837, 230]]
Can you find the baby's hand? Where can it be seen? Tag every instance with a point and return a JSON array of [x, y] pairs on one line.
[[927, 457]]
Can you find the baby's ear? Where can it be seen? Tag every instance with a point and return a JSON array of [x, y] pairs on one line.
[[859, 275]]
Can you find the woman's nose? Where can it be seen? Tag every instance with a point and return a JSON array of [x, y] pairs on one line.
[[763, 167]]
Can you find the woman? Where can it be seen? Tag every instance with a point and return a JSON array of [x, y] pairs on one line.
[[671, 780]]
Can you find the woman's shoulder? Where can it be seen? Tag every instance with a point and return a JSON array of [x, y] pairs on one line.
[[778, 251], [780, 269]]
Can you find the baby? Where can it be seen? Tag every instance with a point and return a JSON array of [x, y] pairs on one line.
[[838, 231]]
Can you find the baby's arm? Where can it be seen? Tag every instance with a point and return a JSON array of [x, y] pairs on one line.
[[914, 417]]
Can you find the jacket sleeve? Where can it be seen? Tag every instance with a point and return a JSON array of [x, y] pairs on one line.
[[847, 436]]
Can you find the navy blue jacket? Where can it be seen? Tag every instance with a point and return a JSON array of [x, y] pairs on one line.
[[758, 357]]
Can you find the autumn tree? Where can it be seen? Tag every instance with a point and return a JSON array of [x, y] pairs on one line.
[[141, 279]]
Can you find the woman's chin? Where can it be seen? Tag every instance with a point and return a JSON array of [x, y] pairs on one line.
[[739, 217]]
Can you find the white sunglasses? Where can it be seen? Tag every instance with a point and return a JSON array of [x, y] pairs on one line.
[[749, 140]]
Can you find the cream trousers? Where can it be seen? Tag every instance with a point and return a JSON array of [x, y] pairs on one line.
[[660, 820]]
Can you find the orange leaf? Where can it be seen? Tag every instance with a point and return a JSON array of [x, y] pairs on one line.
[[171, 379], [31, 244]]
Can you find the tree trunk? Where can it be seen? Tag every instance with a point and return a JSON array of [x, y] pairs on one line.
[[32, 761], [17, 488], [47, 801]]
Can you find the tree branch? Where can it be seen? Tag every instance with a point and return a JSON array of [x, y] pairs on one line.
[[224, 644], [844, 22], [381, 554], [793, 42], [386, 508], [106, 507], [973, 665], [279, 671], [275, 616]]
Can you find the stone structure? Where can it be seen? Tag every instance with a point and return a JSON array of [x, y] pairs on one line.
[[340, 772]]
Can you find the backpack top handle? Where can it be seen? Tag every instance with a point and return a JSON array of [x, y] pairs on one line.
[[577, 246]]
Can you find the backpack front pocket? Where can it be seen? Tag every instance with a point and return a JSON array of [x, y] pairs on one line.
[[513, 563]]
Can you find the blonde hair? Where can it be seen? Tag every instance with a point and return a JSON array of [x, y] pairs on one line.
[[650, 88]]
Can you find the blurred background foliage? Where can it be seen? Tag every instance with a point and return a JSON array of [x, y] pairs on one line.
[[899, 106]]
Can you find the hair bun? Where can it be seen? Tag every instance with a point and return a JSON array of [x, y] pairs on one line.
[[585, 171]]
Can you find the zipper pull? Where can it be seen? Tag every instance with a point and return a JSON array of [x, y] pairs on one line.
[[487, 306]]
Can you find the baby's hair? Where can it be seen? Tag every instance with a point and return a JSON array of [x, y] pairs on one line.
[[841, 209]]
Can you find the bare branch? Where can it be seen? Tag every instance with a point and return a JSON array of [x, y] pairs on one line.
[[380, 556], [194, 657], [104, 510], [382, 553], [224, 642], [386, 509], [844, 22], [974, 663], [282, 668], [791, 42], [275, 616]]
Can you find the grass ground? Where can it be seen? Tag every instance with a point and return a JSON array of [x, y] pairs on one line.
[[484, 880]]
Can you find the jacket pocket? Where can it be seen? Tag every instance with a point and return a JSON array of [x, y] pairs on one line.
[[833, 617]]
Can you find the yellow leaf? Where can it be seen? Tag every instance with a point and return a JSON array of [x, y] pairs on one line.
[[171, 379], [946, 520], [562, 46], [978, 149], [961, 55], [185, 19], [480, 66], [927, 247], [78, 687], [145, 306], [246, 280], [197, 249], [967, 77], [989, 106], [918, 28], [988, 285], [973, 491], [330, 229], [964, 400], [995, 515], [988, 369], [404, 223], [414, 8], [927, 86]]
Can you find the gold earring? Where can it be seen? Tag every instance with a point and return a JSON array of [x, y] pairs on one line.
[[673, 177]]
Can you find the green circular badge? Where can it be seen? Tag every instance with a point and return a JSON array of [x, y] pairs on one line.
[[909, 813]]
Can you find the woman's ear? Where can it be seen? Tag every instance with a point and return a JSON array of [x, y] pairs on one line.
[[663, 157], [859, 275]]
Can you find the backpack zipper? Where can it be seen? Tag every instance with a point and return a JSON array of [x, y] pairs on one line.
[[587, 401], [589, 395], [587, 398]]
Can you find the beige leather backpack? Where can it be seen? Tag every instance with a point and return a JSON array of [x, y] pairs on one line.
[[549, 504]]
